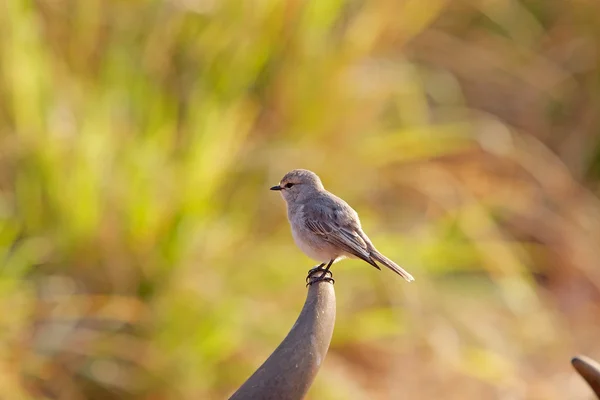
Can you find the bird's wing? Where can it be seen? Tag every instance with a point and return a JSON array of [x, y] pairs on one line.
[[328, 224]]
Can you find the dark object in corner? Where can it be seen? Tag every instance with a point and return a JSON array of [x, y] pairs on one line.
[[290, 370], [589, 370]]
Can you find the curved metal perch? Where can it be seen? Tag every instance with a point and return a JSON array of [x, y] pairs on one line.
[[290, 370], [589, 370]]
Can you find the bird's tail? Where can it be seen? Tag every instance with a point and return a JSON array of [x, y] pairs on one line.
[[377, 256]]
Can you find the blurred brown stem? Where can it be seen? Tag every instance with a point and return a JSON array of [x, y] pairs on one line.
[[589, 370]]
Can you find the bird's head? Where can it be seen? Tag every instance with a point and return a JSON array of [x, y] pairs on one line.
[[297, 183]]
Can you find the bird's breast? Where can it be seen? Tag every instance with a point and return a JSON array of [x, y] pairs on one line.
[[310, 245]]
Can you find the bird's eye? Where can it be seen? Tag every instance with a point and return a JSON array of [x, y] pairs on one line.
[[288, 185]]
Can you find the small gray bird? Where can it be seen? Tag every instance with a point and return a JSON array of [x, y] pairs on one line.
[[324, 226]]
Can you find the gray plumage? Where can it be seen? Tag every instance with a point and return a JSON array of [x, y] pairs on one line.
[[324, 226]]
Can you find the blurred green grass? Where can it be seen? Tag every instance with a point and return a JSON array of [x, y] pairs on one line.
[[144, 257]]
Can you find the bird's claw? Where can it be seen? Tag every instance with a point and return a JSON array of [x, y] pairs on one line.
[[320, 267], [325, 276], [320, 279]]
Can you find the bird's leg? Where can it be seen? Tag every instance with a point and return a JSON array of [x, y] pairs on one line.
[[326, 270], [310, 280], [317, 268]]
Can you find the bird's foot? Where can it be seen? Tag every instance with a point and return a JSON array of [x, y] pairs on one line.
[[318, 268], [319, 274]]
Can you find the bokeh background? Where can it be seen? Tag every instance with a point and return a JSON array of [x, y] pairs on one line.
[[143, 257]]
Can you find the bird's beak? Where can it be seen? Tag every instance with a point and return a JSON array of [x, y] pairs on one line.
[[276, 188]]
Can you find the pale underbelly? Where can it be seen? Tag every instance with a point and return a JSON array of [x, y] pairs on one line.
[[316, 248]]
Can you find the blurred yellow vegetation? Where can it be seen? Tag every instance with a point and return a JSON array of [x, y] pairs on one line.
[[143, 256]]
